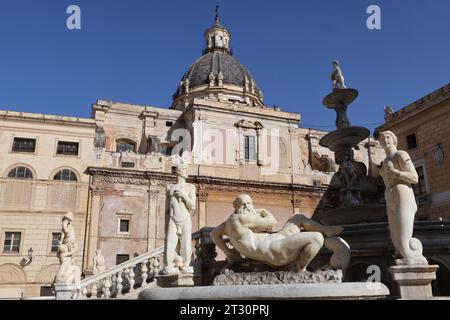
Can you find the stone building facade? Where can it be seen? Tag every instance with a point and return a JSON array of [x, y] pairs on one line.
[[43, 160], [423, 130]]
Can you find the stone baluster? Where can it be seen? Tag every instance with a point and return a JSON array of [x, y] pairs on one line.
[[144, 272], [113, 285], [156, 265], [131, 279], [106, 288], [119, 281], [94, 289]]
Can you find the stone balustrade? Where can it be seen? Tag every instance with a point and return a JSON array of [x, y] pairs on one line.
[[121, 279]]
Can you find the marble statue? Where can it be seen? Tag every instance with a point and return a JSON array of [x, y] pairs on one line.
[[67, 246], [178, 247], [99, 262], [398, 173], [337, 77], [388, 111], [296, 244]]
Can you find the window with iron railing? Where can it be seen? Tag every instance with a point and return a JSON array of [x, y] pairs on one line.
[[420, 189], [67, 148], [24, 145]]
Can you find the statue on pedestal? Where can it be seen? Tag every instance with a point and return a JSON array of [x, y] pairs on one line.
[[99, 262], [398, 173], [249, 232], [68, 272], [178, 245]]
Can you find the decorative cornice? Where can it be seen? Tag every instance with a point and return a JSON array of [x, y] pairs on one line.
[[121, 176], [248, 124], [247, 186]]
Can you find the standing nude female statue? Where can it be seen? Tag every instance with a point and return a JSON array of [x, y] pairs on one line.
[[398, 174]]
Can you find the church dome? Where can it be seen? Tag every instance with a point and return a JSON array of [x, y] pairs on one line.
[[214, 63], [217, 74]]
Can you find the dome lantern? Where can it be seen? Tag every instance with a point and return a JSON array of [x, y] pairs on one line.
[[217, 37]]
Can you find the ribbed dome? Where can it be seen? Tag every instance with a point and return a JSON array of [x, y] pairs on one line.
[[215, 62]]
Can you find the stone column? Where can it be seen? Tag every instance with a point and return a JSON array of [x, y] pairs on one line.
[[93, 225], [259, 155], [152, 213], [413, 282]]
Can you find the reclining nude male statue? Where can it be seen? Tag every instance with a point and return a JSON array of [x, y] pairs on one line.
[[294, 246]]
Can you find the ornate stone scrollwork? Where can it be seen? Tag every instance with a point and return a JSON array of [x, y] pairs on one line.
[[248, 124]]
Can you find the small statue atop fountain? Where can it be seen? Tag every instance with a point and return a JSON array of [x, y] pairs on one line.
[[293, 247], [337, 77], [398, 173]]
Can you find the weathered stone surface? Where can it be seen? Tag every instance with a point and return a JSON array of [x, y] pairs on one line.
[[306, 291], [279, 277], [175, 280], [414, 281]]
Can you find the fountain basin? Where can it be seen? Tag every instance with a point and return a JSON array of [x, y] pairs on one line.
[[344, 138], [340, 97]]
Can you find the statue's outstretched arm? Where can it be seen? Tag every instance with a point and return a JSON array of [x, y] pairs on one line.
[[311, 225]]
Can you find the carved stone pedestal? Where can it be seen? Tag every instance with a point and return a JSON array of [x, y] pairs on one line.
[[414, 281], [64, 291], [175, 280], [279, 277]]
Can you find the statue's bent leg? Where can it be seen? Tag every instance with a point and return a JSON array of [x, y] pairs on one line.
[[186, 245], [309, 251], [171, 244], [302, 247], [341, 252]]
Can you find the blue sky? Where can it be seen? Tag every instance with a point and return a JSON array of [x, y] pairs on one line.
[[137, 50]]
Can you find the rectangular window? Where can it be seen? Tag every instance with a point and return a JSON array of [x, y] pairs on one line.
[[12, 242], [67, 148], [55, 241], [169, 123], [249, 148], [412, 141], [420, 188], [121, 258], [317, 183], [24, 145], [124, 226], [125, 164]]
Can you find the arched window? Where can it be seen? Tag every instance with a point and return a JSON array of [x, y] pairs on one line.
[[123, 145], [20, 173], [65, 175]]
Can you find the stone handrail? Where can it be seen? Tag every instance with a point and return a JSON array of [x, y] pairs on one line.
[[122, 278]]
